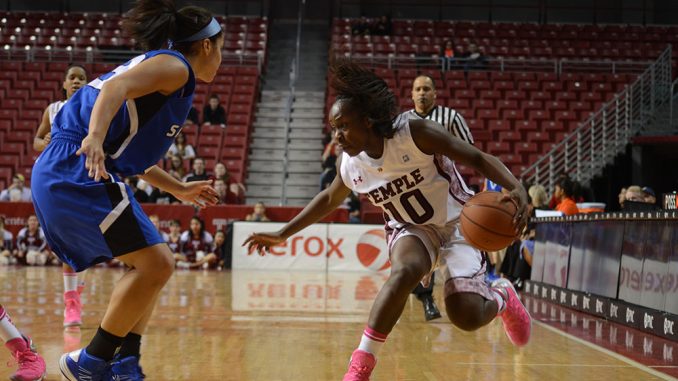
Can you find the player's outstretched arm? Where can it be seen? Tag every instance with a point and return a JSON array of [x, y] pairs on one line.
[[199, 193], [433, 140], [321, 205]]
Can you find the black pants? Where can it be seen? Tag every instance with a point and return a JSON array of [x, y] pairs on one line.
[[421, 291]]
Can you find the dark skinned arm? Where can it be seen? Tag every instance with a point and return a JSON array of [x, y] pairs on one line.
[[431, 140]]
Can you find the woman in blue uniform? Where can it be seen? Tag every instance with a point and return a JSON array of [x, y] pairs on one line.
[[123, 123]]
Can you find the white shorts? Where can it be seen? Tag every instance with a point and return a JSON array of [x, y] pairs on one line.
[[457, 261]]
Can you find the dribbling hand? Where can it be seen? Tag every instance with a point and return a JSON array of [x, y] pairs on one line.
[[519, 197], [262, 242], [95, 157]]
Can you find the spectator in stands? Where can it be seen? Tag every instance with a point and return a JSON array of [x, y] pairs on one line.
[[329, 163], [634, 193], [74, 78], [17, 191], [649, 196], [425, 107], [155, 220], [353, 204], [539, 198], [199, 173], [361, 27], [576, 192], [174, 237], [177, 169], [214, 112], [474, 58], [140, 195], [236, 191], [221, 251], [382, 27], [6, 245], [621, 197], [637, 200], [564, 193], [517, 265], [196, 246], [31, 245], [447, 53], [181, 147], [160, 196], [259, 213], [193, 116], [222, 191]]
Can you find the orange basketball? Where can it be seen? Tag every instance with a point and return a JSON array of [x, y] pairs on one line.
[[487, 222]]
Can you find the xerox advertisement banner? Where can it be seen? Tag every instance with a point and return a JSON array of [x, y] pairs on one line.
[[332, 247]]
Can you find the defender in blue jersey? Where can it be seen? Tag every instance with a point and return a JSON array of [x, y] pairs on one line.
[[123, 123]]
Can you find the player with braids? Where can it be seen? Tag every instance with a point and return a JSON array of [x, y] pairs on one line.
[[124, 122], [404, 166]]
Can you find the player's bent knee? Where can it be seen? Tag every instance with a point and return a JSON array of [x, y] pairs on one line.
[[158, 264], [465, 310]]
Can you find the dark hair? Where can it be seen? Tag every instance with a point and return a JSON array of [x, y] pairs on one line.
[[153, 22], [567, 186], [202, 226], [71, 66], [367, 94], [214, 96]]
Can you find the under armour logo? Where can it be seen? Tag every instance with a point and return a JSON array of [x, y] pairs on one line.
[[358, 180], [406, 159]]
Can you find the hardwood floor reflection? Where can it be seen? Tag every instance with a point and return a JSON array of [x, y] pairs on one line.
[[270, 326]]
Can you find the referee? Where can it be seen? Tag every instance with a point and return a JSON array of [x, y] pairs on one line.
[[424, 97]]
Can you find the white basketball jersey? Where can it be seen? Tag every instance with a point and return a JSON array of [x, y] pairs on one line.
[[410, 186], [53, 110]]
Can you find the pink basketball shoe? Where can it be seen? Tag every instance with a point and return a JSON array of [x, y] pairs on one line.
[[31, 365], [72, 309], [517, 321], [360, 367]]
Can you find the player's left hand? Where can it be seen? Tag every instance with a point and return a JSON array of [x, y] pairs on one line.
[[262, 242], [199, 193], [519, 197], [95, 157]]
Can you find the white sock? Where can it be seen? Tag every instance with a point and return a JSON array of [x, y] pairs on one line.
[[499, 297], [371, 341], [70, 282], [7, 329]]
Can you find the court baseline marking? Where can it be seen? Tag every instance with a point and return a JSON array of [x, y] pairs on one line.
[[608, 352]]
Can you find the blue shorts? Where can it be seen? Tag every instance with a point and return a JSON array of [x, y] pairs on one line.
[[85, 222]]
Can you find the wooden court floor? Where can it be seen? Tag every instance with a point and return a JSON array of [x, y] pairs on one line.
[[270, 326]]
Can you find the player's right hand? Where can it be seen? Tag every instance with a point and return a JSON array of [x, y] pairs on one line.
[[47, 138], [95, 157], [262, 242]]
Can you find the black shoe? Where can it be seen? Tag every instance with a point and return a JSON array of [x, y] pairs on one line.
[[430, 309]]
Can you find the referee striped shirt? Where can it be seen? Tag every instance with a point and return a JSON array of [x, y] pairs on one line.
[[448, 118]]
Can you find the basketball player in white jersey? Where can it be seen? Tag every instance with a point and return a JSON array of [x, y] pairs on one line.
[[425, 107], [74, 78], [405, 167]]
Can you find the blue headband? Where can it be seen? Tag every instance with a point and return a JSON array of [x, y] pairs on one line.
[[210, 30]]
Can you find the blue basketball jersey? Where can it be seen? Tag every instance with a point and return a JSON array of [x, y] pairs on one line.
[[143, 128]]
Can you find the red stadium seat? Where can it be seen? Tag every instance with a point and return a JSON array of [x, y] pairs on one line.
[[234, 141]]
